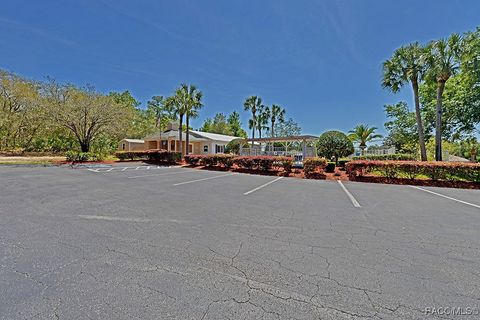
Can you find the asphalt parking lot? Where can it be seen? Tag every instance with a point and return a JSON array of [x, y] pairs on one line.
[[176, 243]]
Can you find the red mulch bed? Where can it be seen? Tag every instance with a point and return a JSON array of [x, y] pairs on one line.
[[419, 182]]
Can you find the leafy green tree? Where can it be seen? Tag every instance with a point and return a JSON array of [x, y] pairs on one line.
[[444, 61], [402, 128], [159, 110], [288, 128], [218, 125], [252, 104], [362, 134], [86, 113], [408, 65], [235, 125], [334, 144]]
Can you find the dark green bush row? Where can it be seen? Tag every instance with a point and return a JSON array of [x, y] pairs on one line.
[[451, 171], [152, 155], [395, 156]]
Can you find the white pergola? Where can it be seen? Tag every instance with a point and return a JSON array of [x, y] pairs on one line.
[[303, 139]]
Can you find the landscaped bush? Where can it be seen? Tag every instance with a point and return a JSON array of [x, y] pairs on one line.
[[130, 155], [330, 167], [450, 171], [314, 167], [264, 163], [75, 156], [342, 162], [152, 155], [396, 156]]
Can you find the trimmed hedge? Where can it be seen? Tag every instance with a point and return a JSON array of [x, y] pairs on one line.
[[313, 167], [395, 156], [449, 171], [210, 160], [264, 163], [152, 155]]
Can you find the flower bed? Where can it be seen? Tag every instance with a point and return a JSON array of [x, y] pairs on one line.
[[152, 155], [415, 170], [395, 156]]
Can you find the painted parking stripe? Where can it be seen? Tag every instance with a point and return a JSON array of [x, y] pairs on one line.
[[447, 197], [162, 174], [350, 196], [204, 179], [107, 218], [262, 186]]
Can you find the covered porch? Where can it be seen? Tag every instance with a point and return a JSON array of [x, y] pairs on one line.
[[299, 147]]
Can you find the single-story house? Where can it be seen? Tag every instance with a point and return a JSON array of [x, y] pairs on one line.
[[131, 145], [199, 142]]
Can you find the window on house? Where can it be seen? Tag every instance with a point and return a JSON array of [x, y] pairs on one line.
[[219, 148], [205, 148], [123, 146]]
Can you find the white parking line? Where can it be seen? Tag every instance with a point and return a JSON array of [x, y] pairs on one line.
[[262, 186], [204, 179], [350, 196], [91, 217], [163, 174], [447, 197]]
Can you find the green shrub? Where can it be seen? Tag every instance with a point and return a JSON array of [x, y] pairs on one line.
[[312, 167], [334, 144], [75, 156], [342, 162], [396, 156], [330, 167], [452, 171]]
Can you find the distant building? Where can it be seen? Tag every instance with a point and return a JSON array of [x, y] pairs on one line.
[[199, 142]]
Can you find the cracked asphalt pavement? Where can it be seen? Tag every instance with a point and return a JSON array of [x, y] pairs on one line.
[[175, 243]]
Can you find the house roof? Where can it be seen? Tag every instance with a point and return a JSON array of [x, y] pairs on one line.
[[214, 136], [193, 136], [173, 134], [134, 140]]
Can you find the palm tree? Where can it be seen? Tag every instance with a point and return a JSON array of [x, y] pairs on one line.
[[159, 107], [262, 119], [193, 102], [408, 65], [444, 61], [252, 103], [362, 134], [177, 103], [277, 113]]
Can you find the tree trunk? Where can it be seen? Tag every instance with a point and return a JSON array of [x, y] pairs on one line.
[[187, 139], [421, 131], [438, 122], [272, 134], [84, 146], [180, 135], [253, 132]]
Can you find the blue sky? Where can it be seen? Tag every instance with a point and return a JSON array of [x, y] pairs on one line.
[[321, 60]]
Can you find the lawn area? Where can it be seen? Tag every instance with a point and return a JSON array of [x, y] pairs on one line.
[[31, 160]]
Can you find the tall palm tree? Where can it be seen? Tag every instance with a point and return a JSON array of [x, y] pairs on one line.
[[262, 119], [159, 108], [363, 134], [444, 58], [252, 103], [177, 103], [192, 98], [408, 65], [277, 113]]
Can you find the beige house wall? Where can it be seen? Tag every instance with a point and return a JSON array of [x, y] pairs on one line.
[[130, 146], [198, 147]]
